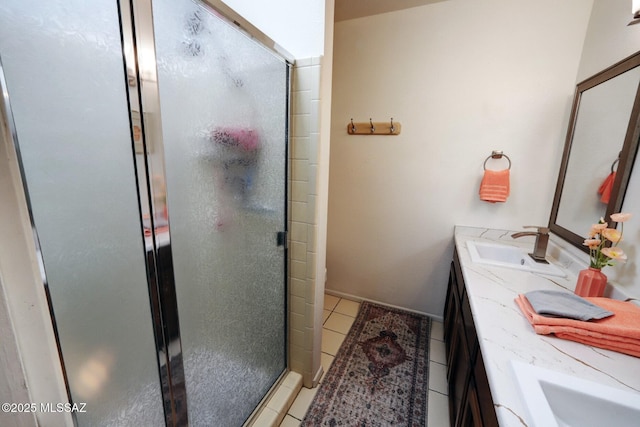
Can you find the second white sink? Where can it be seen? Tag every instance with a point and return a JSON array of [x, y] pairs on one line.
[[554, 399], [510, 257]]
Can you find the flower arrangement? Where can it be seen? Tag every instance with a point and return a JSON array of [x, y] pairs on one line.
[[600, 253]]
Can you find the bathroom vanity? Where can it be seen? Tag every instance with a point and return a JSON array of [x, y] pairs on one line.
[[486, 335], [470, 402]]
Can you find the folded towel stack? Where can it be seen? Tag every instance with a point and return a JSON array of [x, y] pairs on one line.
[[620, 332], [495, 186], [564, 304], [606, 187]]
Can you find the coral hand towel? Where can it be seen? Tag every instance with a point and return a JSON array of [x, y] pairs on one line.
[[620, 332], [495, 186], [606, 187]]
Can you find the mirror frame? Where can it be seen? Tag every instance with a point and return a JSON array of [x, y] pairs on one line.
[[627, 154]]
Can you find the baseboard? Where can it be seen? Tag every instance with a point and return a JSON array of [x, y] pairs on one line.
[[360, 299], [318, 376]]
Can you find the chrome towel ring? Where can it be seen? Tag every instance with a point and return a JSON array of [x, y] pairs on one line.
[[495, 154]]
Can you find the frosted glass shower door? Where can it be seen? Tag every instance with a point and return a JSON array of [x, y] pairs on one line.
[[67, 89], [223, 101]]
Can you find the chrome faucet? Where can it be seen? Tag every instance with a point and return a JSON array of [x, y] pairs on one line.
[[542, 239]]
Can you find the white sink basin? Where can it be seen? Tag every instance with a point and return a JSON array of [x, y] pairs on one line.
[[510, 257], [555, 399]]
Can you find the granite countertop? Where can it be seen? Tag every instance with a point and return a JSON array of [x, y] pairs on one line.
[[505, 334]]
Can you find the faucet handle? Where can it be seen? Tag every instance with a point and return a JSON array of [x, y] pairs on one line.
[[541, 230]]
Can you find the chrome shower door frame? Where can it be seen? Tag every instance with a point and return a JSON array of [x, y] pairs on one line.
[[138, 43], [142, 89]]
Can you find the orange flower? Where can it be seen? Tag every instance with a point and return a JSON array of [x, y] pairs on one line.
[[599, 255], [592, 243], [612, 234], [597, 228], [620, 217], [615, 253]]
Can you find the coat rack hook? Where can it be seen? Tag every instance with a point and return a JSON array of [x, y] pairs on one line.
[[353, 126], [392, 129], [373, 129]]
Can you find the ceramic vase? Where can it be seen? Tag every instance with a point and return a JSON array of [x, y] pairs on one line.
[[591, 283]]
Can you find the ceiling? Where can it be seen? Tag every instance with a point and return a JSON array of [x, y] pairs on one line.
[[350, 9]]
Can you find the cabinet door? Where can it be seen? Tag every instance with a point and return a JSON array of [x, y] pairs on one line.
[[483, 393], [457, 273], [471, 415], [450, 313], [459, 371], [469, 326]]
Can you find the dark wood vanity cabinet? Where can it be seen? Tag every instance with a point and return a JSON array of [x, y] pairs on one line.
[[470, 403]]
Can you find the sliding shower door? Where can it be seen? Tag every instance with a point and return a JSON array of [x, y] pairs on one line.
[[223, 100], [152, 139], [65, 80]]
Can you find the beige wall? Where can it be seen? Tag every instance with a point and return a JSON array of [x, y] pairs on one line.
[[463, 77]]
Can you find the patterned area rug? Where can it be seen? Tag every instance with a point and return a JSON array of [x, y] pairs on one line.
[[380, 376]]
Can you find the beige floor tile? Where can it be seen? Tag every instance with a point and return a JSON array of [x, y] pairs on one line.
[[348, 307], [330, 302], [438, 377], [437, 352], [325, 315], [301, 404], [339, 322], [331, 341], [267, 417], [437, 330], [289, 421], [438, 415]]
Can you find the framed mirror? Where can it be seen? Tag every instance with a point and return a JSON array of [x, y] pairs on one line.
[[600, 148]]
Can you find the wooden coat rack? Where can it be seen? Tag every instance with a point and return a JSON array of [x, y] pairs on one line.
[[374, 128]]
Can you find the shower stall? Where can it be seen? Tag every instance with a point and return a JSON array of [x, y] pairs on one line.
[[152, 139]]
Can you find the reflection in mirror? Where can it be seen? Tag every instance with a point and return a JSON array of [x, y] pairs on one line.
[[598, 136], [600, 146]]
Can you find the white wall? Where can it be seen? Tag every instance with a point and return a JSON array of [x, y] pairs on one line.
[[463, 77], [298, 26], [608, 41]]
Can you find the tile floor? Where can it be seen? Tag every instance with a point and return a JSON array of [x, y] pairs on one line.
[[339, 314]]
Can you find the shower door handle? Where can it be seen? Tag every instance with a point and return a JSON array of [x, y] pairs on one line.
[[281, 239]]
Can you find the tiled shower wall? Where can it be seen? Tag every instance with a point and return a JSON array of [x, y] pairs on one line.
[[304, 139]]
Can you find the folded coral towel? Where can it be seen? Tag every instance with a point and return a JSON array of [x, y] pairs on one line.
[[606, 187], [620, 332], [495, 186]]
